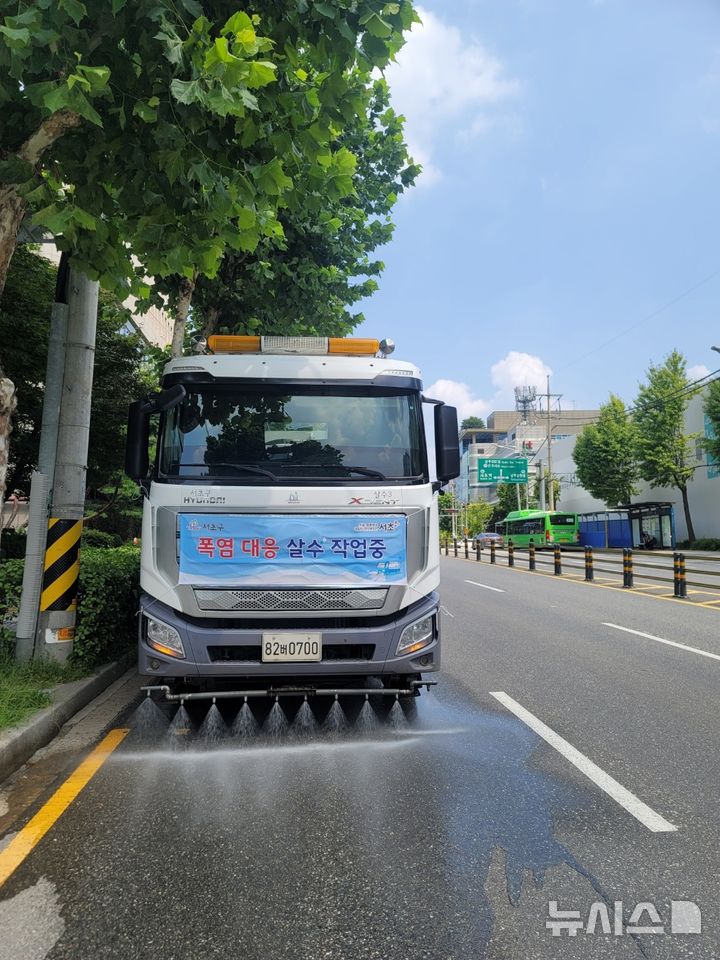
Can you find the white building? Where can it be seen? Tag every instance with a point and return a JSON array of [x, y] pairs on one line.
[[703, 490]]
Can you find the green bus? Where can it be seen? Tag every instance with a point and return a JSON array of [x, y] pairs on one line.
[[544, 528]]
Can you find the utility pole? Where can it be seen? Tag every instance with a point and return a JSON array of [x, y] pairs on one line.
[[551, 485], [56, 623], [549, 482], [42, 478]]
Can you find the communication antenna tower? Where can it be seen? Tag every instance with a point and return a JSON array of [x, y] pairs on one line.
[[525, 403]]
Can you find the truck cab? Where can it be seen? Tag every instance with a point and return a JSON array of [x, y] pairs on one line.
[[290, 520]]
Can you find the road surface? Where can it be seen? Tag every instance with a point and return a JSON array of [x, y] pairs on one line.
[[568, 756]]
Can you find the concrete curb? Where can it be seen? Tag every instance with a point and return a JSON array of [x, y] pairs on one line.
[[18, 744]]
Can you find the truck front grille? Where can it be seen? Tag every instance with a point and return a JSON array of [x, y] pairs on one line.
[[289, 600], [247, 653]]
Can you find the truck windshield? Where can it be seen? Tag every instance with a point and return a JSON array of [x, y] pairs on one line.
[[264, 434]]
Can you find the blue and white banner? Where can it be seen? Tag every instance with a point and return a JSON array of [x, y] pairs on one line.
[[272, 550]]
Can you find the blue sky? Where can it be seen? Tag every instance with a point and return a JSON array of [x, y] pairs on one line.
[[571, 189]]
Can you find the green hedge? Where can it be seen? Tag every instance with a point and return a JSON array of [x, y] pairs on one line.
[[704, 543], [107, 603], [99, 538]]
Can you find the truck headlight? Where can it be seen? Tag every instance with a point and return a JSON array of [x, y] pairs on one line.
[[164, 638], [417, 635]]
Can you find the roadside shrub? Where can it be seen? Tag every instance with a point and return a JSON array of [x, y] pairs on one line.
[[108, 599], [100, 538], [705, 543], [11, 572], [123, 520], [12, 544]]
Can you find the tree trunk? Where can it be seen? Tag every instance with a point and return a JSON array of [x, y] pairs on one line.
[[211, 320], [7, 405], [12, 211], [688, 518], [182, 308], [12, 205]]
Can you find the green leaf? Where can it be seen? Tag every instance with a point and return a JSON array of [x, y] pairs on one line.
[[325, 10], [193, 7], [74, 9], [58, 98], [97, 77], [145, 111], [261, 73], [81, 105], [17, 38], [186, 91], [221, 50], [246, 218], [117, 6], [238, 21], [378, 27], [347, 31], [82, 217], [173, 46]]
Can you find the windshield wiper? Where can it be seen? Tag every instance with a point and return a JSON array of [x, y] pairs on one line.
[[248, 468], [365, 471]]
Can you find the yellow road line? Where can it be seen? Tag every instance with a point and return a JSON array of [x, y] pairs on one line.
[[33, 831]]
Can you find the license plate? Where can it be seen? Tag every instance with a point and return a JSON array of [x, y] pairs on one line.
[[291, 647]]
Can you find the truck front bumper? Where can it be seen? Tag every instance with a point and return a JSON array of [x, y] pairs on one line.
[[233, 648]]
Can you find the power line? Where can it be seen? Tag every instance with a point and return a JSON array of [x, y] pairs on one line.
[[649, 316]]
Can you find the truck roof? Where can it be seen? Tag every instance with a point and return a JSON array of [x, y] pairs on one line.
[[257, 366]]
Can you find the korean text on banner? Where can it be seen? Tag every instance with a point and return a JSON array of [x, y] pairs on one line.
[[280, 550]]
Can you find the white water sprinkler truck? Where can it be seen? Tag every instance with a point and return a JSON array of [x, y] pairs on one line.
[[290, 539]]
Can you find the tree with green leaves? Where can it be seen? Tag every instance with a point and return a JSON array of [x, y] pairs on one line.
[[711, 408], [169, 133], [470, 423], [477, 516], [304, 282], [665, 452], [605, 455], [446, 505], [118, 377]]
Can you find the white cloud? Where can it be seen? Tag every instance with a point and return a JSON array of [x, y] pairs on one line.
[[442, 79], [697, 372], [518, 370], [459, 395], [514, 370]]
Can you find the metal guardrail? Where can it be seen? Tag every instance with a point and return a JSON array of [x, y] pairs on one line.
[[629, 564]]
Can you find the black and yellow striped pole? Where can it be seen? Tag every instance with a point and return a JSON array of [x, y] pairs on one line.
[[682, 574], [531, 555], [511, 553], [62, 565], [589, 572]]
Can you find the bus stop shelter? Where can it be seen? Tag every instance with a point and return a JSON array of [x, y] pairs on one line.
[[629, 525]]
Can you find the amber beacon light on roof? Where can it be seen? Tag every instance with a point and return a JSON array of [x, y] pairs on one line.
[[306, 346]]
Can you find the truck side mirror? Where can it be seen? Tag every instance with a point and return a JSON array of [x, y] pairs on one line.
[[447, 449], [138, 429]]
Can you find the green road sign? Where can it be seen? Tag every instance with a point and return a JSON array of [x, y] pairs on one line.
[[502, 470]]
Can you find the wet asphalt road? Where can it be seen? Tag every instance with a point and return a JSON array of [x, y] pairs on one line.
[[444, 839]]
